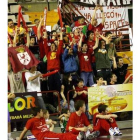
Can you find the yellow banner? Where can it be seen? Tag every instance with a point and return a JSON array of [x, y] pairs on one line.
[[117, 97]]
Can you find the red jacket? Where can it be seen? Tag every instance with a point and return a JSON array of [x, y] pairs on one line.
[[53, 58]]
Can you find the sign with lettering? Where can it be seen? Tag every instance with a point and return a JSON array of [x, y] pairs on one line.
[[114, 16], [104, 2], [118, 98], [20, 108]]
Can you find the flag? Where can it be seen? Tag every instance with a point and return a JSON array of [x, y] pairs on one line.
[[60, 17], [20, 16], [45, 17], [21, 58]]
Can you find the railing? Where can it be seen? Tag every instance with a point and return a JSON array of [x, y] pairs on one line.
[[58, 95]]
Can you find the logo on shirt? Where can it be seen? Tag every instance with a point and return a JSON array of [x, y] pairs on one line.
[[24, 58], [53, 55], [86, 58]]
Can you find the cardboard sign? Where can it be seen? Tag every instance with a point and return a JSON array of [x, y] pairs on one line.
[[118, 98]]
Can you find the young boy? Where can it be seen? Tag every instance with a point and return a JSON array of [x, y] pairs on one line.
[[78, 122], [105, 123], [85, 55], [81, 91], [38, 128], [121, 69], [34, 84], [100, 81], [64, 117], [94, 26], [113, 79], [50, 123]]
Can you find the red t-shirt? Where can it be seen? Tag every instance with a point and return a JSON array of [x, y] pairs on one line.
[[97, 28], [53, 58], [37, 126], [78, 24], [90, 46], [35, 30], [85, 60], [83, 96], [77, 121]]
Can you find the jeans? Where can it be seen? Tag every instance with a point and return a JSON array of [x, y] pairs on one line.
[[88, 78], [72, 109], [54, 83], [41, 102]]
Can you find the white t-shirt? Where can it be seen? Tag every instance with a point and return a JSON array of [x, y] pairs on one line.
[[33, 85]]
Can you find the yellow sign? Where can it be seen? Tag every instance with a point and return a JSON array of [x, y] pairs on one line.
[[118, 98]]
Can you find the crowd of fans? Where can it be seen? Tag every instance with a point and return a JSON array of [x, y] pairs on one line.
[[82, 54]]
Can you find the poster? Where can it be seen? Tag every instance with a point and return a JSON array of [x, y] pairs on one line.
[[103, 2], [118, 98], [20, 108], [114, 16]]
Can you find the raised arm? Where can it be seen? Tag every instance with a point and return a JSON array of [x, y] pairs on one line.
[[93, 17], [80, 42], [103, 16], [39, 29], [46, 47], [60, 46], [28, 39], [127, 79], [65, 54], [15, 37], [97, 41], [114, 63], [128, 58]]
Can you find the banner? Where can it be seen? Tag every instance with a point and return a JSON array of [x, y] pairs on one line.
[[118, 98], [20, 108], [114, 16], [103, 2]]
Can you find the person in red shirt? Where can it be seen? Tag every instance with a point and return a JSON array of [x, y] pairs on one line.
[[81, 91], [84, 56], [78, 122], [90, 43], [80, 22], [53, 63], [39, 129], [105, 123], [82, 94], [94, 26]]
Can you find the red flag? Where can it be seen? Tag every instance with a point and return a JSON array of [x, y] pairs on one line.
[[21, 57], [60, 17], [45, 17], [20, 16], [49, 73]]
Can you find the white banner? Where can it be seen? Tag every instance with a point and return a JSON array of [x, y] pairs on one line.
[[114, 16]]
